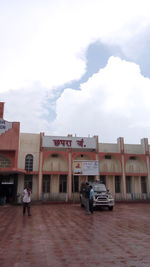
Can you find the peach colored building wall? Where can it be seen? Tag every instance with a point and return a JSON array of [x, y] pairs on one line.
[[56, 162], [9, 143], [136, 166], [110, 165], [129, 162], [29, 144], [10, 139]]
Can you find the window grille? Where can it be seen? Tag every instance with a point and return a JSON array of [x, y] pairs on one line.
[[117, 184], [63, 184], [4, 162], [46, 183], [75, 184], [143, 184], [128, 184], [29, 162]]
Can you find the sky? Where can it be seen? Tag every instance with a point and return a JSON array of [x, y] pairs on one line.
[[79, 67]]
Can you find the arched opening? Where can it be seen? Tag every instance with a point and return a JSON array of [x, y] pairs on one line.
[[29, 162]]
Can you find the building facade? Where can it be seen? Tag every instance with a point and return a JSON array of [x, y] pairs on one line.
[[55, 166]]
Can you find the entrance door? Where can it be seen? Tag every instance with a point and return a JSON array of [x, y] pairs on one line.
[[8, 188], [7, 192], [103, 179]]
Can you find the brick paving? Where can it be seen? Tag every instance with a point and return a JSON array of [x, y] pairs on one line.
[[62, 235]]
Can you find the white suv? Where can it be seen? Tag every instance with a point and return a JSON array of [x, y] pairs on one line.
[[102, 197]]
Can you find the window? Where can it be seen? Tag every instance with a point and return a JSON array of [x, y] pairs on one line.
[[4, 162], [128, 184], [75, 184], [143, 185], [103, 179], [28, 181], [117, 184], [63, 183], [46, 183], [54, 155], [107, 156], [29, 162], [132, 158]]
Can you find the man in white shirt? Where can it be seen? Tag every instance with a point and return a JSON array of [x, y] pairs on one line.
[[26, 200]]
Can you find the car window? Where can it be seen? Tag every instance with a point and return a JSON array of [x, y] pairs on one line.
[[99, 188]]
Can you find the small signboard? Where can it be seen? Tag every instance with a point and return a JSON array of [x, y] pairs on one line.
[[7, 180]]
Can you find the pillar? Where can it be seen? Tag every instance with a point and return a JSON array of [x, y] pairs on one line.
[[121, 148], [1, 109], [145, 145], [40, 174], [69, 185]]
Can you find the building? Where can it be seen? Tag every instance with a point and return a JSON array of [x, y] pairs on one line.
[[55, 166]]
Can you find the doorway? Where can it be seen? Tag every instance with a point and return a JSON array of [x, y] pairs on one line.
[[8, 188]]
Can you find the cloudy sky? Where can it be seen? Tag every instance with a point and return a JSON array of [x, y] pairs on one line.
[[77, 67]]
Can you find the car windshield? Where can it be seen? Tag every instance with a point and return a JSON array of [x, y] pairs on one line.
[[99, 188]]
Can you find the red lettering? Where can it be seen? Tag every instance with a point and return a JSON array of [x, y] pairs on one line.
[[62, 142], [68, 143], [56, 142], [80, 142]]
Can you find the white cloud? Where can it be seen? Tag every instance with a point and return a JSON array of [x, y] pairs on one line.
[[44, 42], [29, 107], [113, 102]]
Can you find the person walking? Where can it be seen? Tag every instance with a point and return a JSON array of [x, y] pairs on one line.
[[91, 197], [26, 200], [87, 198]]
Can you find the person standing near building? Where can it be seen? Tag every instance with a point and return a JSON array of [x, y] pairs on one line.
[[87, 198], [26, 200], [91, 197]]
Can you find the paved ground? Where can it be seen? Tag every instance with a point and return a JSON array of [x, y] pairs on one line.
[[64, 236]]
